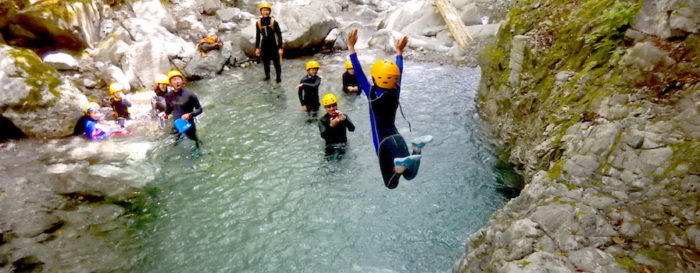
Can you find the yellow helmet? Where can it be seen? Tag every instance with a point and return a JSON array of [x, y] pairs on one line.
[[265, 5], [348, 64], [91, 106], [162, 78], [385, 73], [115, 87], [312, 64], [175, 73], [329, 99]]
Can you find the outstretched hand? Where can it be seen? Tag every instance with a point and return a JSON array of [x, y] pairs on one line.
[[352, 40], [401, 44]]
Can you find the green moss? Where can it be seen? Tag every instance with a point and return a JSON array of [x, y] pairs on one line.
[[627, 262], [556, 169], [37, 75]]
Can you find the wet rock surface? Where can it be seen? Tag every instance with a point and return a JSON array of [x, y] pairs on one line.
[[607, 141]]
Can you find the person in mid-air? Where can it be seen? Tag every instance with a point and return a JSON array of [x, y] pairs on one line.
[[308, 89], [120, 105], [333, 127], [350, 85], [383, 96], [182, 103], [268, 41]]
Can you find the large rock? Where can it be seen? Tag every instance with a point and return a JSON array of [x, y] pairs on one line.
[[34, 97], [210, 65], [69, 25], [668, 18], [304, 25], [154, 12], [142, 50]]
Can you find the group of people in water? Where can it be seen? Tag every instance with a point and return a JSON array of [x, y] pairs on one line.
[[172, 101]]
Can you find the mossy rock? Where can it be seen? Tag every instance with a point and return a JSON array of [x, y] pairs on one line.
[[34, 97]]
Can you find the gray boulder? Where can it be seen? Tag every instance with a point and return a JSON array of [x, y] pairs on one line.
[[210, 65], [209, 7], [33, 95], [668, 18], [71, 25], [154, 12]]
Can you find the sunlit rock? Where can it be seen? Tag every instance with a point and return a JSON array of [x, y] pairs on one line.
[[33, 95]]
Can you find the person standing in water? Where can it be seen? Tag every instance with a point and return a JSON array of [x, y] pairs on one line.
[[182, 103], [308, 89], [268, 41], [120, 105], [350, 85], [383, 97], [334, 126]]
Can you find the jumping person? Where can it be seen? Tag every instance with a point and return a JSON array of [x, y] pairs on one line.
[[119, 104], [383, 97], [350, 85], [182, 103], [308, 89], [333, 126], [268, 41]]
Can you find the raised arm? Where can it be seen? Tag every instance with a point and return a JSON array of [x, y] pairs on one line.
[[400, 45], [359, 74]]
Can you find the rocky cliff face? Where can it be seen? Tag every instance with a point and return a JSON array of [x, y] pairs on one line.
[[598, 102]]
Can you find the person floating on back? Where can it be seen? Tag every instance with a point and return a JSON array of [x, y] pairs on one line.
[[119, 104], [268, 41], [207, 44], [383, 96], [181, 103], [308, 89], [350, 85], [333, 126]]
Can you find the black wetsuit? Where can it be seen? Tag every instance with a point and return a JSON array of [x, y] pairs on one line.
[[336, 137], [183, 102], [121, 107], [268, 38], [79, 128], [350, 80], [158, 101], [308, 93]]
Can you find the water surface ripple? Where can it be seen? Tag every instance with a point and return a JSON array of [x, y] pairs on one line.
[[261, 198]]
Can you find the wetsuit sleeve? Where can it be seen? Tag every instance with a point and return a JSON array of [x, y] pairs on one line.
[[126, 102], [278, 32], [314, 84], [351, 126], [300, 92], [257, 35], [359, 75], [399, 63], [323, 124], [197, 106]]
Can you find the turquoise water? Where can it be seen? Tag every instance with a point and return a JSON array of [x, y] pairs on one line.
[[262, 198]]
